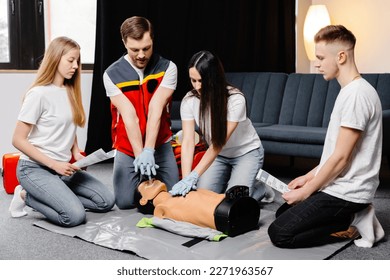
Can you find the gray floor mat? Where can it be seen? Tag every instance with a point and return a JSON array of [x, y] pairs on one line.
[[117, 230]]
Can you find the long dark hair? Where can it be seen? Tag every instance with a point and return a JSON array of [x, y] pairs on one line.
[[213, 98]]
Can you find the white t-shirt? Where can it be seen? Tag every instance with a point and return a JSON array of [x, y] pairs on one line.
[[243, 139], [53, 132], [169, 80], [357, 106]]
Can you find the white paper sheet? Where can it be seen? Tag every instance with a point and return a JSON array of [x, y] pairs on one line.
[[271, 181], [95, 157]]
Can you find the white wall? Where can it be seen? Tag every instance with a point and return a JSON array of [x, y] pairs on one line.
[[13, 86], [302, 62], [369, 20]]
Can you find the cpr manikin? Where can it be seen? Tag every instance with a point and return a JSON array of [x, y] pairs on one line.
[[232, 213]]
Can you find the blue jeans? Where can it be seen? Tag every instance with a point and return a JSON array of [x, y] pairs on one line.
[[126, 180], [225, 173], [62, 199], [312, 221]]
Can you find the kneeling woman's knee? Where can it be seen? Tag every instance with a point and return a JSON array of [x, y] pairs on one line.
[[103, 200], [107, 204], [72, 217]]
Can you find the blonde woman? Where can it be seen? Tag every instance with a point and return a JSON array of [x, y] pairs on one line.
[[45, 133]]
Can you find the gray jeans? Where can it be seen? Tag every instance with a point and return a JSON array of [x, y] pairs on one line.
[[126, 180], [225, 173], [62, 199]]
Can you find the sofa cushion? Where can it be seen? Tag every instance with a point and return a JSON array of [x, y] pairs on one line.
[[292, 134], [292, 149], [381, 82], [263, 92], [261, 124], [308, 100]]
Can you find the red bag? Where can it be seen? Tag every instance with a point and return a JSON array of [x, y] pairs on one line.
[[10, 181], [200, 149], [10, 161]]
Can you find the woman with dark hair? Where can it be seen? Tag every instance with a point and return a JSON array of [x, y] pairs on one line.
[[235, 153]]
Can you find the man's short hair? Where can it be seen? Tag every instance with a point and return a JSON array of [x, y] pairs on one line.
[[335, 33], [135, 27]]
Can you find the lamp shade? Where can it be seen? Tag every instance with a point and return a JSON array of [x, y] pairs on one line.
[[317, 17]]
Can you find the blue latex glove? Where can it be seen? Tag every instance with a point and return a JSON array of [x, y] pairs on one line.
[[145, 164], [185, 185]]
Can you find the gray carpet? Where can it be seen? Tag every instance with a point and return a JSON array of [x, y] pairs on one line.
[[21, 240]]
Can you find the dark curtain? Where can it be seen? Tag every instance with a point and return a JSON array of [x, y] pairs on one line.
[[248, 35]]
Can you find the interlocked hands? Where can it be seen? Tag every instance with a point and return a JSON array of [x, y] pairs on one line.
[[185, 185], [145, 163]]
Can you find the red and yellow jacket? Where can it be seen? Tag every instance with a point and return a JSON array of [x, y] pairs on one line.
[[127, 80]]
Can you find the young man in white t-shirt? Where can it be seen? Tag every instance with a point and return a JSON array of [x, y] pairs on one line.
[[341, 188]]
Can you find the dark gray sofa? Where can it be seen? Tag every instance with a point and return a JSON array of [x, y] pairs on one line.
[[291, 112]]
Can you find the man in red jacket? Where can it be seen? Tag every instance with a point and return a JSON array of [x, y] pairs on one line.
[[140, 85]]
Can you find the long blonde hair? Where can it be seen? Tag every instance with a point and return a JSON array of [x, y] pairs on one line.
[[47, 71]]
